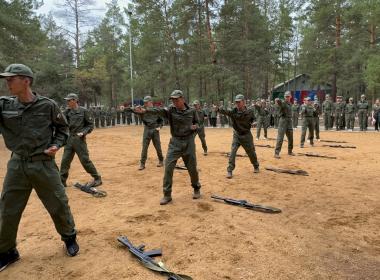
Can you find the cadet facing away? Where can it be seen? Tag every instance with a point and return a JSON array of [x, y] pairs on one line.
[[34, 129]]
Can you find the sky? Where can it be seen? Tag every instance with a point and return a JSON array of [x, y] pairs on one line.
[[49, 5]]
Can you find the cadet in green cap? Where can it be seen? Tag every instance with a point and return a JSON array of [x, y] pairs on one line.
[[362, 107], [284, 125], [307, 114], [183, 122], [328, 111], [80, 124], [295, 113], [34, 129], [242, 120], [262, 118], [350, 114], [201, 128], [152, 125], [339, 112]]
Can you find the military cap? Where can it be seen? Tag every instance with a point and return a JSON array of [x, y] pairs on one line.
[[176, 94], [362, 96], [307, 98], [196, 102], [340, 97], [17, 70], [147, 98], [239, 97], [72, 96], [287, 93], [351, 98]]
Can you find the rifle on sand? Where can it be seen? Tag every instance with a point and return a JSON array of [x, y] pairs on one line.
[[146, 258], [340, 146], [88, 188], [333, 141], [288, 171], [246, 204], [315, 155]]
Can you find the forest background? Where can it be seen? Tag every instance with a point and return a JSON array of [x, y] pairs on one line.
[[210, 49]]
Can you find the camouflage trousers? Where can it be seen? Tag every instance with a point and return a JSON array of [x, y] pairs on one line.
[[180, 147], [77, 145], [202, 136], [363, 119], [151, 134], [246, 141], [22, 176], [262, 123], [284, 128], [308, 123]]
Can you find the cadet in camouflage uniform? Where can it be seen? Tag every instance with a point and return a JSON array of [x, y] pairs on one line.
[[317, 113], [339, 113], [376, 114], [103, 117], [34, 129], [327, 111], [242, 120], [262, 118], [307, 114], [122, 115], [206, 112], [201, 129], [276, 112], [183, 122], [118, 115], [97, 113], [128, 115], [295, 113], [80, 124], [223, 119], [152, 125], [213, 115], [285, 125], [113, 115], [350, 114], [362, 108]]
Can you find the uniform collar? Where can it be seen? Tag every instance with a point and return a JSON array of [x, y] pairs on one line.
[[22, 106]]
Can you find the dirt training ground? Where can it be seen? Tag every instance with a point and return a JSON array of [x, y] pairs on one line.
[[329, 227]]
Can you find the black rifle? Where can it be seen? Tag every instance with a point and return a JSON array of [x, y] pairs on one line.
[[333, 141], [146, 258], [246, 204], [340, 146], [88, 188], [288, 171], [315, 155]]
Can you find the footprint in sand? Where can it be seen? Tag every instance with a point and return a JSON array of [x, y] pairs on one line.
[[205, 206]]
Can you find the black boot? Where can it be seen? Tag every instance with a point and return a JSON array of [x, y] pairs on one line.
[[8, 257], [72, 247]]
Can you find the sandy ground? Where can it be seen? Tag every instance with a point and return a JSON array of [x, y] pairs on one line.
[[329, 227]]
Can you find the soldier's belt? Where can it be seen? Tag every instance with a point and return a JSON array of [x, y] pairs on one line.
[[39, 157]]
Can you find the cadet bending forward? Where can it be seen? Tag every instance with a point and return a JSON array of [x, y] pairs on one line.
[[242, 119], [183, 122], [152, 125], [80, 124], [34, 129]]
